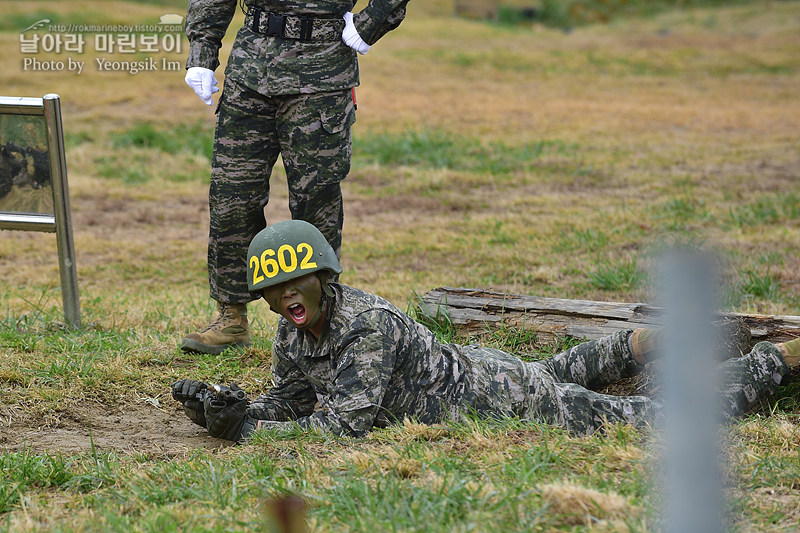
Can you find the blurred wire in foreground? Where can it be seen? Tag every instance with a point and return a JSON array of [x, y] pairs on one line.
[[691, 478]]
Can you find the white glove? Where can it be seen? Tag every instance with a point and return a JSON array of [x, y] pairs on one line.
[[351, 37], [203, 81]]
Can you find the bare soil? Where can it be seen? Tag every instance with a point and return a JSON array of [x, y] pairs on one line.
[[130, 428]]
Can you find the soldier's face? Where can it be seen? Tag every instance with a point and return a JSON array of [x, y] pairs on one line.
[[297, 300]]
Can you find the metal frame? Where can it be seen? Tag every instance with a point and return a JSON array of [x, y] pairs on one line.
[[60, 221]]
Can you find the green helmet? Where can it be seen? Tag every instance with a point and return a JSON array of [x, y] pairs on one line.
[[287, 250]]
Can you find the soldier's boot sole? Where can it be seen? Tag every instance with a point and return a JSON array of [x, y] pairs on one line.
[[195, 346]]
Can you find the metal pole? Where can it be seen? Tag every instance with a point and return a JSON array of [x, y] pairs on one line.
[[66, 248], [693, 494]]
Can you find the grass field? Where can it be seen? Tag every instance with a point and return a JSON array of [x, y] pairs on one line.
[[522, 158]]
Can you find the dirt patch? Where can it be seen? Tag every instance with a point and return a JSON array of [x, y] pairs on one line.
[[173, 217], [138, 428]]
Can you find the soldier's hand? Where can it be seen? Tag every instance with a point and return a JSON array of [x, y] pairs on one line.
[[226, 421], [351, 37], [195, 410], [203, 82], [187, 389]]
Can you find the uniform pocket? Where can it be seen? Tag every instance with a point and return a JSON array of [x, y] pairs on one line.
[[335, 143], [341, 115], [318, 145]]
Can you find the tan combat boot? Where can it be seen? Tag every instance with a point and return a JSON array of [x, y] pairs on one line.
[[733, 340], [644, 343], [791, 353], [228, 330]]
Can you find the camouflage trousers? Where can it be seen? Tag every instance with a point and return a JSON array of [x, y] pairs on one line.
[[311, 132], [559, 387]]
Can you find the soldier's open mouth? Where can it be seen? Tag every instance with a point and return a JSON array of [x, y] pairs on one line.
[[298, 312]]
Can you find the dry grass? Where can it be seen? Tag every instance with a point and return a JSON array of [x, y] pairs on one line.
[[579, 505], [648, 104], [662, 128]]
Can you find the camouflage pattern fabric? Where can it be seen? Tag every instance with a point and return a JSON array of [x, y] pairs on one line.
[[747, 381], [312, 133], [374, 365], [379, 18], [273, 65], [281, 96], [556, 390]]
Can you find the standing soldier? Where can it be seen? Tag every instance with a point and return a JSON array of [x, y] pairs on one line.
[[289, 91], [346, 361]]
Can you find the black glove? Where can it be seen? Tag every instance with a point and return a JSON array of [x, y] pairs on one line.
[[187, 389], [188, 392], [228, 421]]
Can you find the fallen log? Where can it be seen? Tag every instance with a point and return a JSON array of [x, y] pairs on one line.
[[477, 310]]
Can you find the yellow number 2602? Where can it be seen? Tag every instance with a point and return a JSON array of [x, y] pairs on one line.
[[271, 263]]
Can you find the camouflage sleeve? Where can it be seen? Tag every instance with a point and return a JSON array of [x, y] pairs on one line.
[[206, 24], [379, 18], [292, 396], [362, 373]]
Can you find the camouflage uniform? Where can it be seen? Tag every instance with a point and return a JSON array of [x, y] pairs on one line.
[[288, 91], [374, 365]]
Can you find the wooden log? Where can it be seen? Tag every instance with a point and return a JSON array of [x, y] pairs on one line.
[[478, 310]]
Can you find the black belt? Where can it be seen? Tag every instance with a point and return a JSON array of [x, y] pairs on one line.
[[296, 27]]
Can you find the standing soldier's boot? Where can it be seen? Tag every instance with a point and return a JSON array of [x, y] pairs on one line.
[[228, 330]]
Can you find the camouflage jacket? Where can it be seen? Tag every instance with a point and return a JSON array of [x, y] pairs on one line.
[[275, 66], [374, 365]]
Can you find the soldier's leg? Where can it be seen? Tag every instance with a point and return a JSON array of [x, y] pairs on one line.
[[592, 365], [245, 149], [733, 339], [580, 410], [596, 363], [743, 382], [316, 146], [748, 380], [586, 411]]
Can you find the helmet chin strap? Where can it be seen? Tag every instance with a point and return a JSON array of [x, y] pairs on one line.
[[322, 276], [321, 308]]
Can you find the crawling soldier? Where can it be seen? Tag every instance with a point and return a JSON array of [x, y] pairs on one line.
[[346, 361]]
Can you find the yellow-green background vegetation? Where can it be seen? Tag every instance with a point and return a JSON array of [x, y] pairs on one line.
[[555, 156]]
